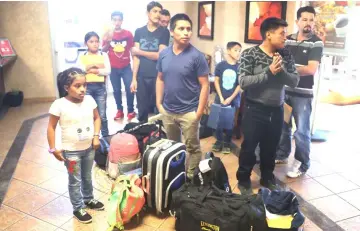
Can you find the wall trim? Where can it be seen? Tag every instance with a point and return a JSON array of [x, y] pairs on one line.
[[40, 100]]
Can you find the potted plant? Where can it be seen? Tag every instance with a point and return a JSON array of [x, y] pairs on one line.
[[14, 98]]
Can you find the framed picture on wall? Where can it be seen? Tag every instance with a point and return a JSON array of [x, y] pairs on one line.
[[256, 13], [206, 15], [6, 50]]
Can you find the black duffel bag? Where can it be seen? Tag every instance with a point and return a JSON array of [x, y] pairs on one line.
[[209, 208]]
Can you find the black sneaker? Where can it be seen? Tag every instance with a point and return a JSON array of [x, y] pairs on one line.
[[226, 148], [83, 216], [270, 184], [245, 188], [96, 205], [217, 146]]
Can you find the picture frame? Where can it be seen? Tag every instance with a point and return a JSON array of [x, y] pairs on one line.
[[206, 16], [256, 13], [6, 49]]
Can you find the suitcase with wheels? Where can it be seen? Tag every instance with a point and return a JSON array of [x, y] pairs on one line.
[[163, 167]]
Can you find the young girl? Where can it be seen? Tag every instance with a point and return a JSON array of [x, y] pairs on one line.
[[80, 125], [96, 64]]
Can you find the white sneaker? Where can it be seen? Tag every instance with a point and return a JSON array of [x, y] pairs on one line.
[[295, 170]]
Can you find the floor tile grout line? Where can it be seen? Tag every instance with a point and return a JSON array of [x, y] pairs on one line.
[[28, 215], [347, 219], [337, 196], [36, 186], [333, 191]]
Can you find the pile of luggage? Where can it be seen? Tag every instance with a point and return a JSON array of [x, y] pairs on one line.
[[149, 171]]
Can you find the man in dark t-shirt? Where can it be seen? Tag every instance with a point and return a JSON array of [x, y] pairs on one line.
[[182, 88], [307, 50], [149, 41]]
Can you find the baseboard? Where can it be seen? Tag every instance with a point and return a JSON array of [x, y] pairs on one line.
[[40, 100]]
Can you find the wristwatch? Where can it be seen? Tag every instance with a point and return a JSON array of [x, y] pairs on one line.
[[52, 150]]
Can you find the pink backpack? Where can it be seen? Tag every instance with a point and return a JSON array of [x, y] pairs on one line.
[[124, 154]]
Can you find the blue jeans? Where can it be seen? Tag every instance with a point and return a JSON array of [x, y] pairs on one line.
[[301, 111], [98, 92], [79, 165], [220, 132], [115, 77]]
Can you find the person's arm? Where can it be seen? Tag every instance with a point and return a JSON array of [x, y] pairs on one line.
[[314, 60], [136, 64], [218, 89], [105, 46], [53, 121], [107, 37], [290, 75], [235, 93], [159, 85], [204, 95], [107, 67], [202, 71], [97, 126], [309, 69], [247, 79], [338, 99], [147, 54], [159, 91]]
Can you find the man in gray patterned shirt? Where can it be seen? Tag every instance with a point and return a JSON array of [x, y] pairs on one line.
[[263, 72]]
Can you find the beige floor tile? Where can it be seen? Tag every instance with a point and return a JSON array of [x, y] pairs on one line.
[[31, 200], [40, 155], [318, 169], [33, 173], [152, 220], [335, 208], [57, 212], [336, 183], [352, 224], [31, 223], [169, 224], [57, 184], [309, 189], [352, 197], [9, 216], [16, 187]]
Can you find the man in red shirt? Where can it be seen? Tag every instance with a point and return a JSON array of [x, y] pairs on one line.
[[118, 43]]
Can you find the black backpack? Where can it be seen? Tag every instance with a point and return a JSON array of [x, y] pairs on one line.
[[209, 208], [216, 176], [101, 153]]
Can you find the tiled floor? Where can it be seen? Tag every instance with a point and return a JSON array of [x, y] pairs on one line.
[[37, 198]]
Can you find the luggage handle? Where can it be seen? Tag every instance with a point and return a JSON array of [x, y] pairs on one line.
[[145, 184]]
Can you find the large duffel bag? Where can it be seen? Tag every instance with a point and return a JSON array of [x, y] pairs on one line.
[[209, 208]]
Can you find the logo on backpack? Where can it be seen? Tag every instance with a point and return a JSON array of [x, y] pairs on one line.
[[209, 227]]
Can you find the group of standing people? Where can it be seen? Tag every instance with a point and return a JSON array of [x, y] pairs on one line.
[[174, 79]]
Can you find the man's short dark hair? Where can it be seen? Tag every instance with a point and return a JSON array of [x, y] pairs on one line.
[[117, 13], [152, 5], [271, 24], [232, 44], [308, 9], [178, 17], [165, 12]]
